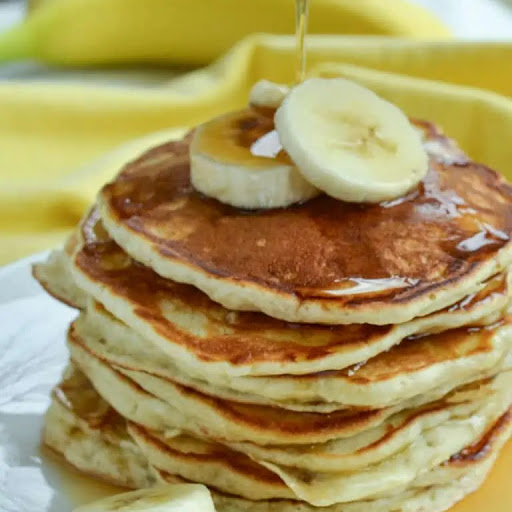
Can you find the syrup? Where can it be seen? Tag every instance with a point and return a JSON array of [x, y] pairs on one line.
[[302, 12], [247, 138], [74, 488]]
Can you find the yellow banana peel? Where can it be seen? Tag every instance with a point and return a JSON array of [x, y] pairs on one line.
[[190, 32]]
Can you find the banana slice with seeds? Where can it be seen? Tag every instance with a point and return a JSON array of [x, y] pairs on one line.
[[349, 142]]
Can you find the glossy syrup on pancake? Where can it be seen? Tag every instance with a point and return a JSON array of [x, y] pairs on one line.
[[337, 254], [246, 138]]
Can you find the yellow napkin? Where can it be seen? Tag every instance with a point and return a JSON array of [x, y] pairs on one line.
[[48, 130]]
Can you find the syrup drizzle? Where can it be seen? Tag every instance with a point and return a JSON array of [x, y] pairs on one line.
[[302, 12]]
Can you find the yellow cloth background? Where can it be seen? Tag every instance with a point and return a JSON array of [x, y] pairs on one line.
[[49, 130]]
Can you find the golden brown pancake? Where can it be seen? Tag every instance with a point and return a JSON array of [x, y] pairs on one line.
[[415, 366], [221, 467], [173, 405], [74, 429], [324, 261], [192, 328], [249, 422]]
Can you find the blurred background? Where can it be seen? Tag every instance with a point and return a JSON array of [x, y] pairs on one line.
[[124, 69], [482, 19], [468, 19]]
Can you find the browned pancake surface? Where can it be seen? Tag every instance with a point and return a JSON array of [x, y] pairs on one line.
[[313, 426], [458, 217], [238, 337]]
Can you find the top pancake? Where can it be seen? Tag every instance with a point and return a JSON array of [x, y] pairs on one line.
[[323, 261], [209, 340]]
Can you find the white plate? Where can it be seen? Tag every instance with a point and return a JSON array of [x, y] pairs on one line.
[[32, 356]]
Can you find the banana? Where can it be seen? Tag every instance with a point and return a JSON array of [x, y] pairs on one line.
[[191, 32], [267, 94], [237, 158], [165, 498], [350, 143]]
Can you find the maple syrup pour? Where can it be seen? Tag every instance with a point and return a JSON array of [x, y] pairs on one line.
[[246, 138], [301, 26]]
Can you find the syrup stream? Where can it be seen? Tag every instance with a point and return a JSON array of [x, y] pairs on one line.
[[302, 11]]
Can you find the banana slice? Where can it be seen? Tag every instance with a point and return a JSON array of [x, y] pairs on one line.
[[238, 159], [268, 94], [165, 498], [350, 143]]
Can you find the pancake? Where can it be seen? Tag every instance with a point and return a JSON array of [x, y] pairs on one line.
[[326, 357], [323, 261], [434, 446], [435, 490], [114, 343], [207, 417], [380, 442], [213, 464], [55, 277], [72, 429], [319, 489], [161, 407], [208, 339], [92, 436], [411, 368]]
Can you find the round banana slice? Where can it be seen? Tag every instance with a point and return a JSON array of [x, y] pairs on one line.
[[164, 498], [238, 159], [350, 143], [268, 94]]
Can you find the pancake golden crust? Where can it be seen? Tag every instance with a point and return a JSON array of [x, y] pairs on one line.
[[250, 342], [482, 448], [76, 439], [411, 368], [418, 353], [263, 423], [323, 261], [235, 460]]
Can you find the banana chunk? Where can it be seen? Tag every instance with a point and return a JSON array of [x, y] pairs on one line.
[[268, 94], [349, 142], [238, 160], [165, 498]]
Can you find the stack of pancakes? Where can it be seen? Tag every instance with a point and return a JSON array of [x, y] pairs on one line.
[[324, 357]]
